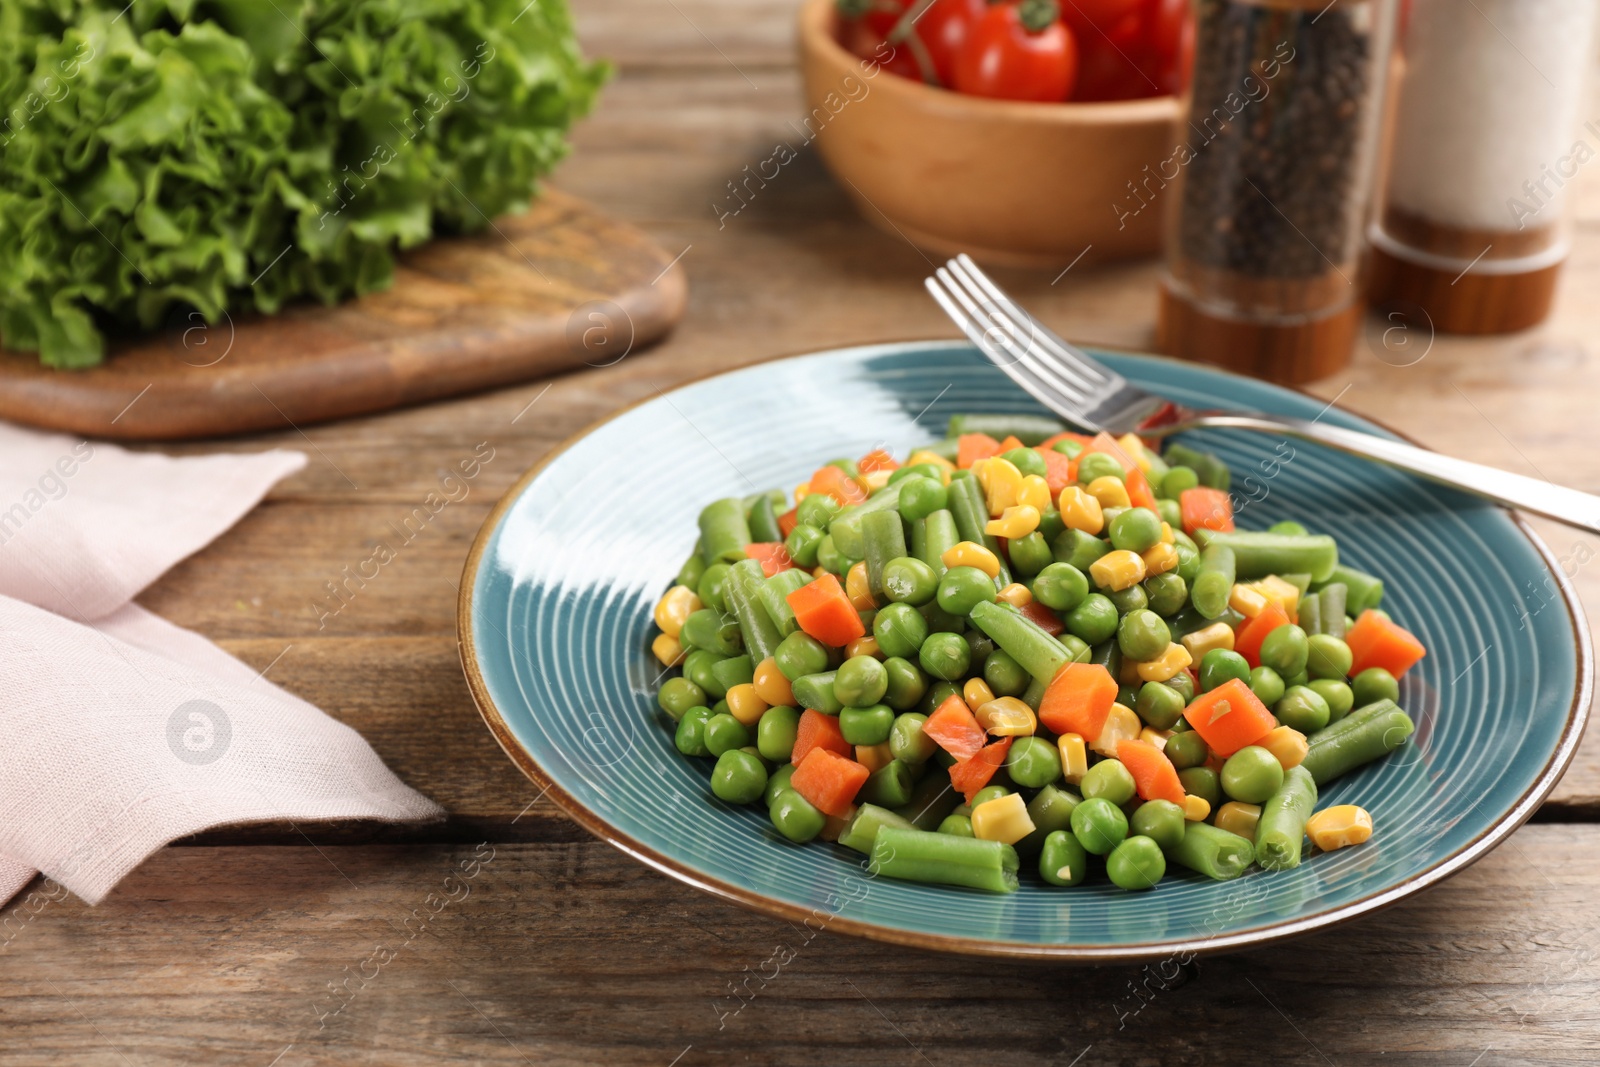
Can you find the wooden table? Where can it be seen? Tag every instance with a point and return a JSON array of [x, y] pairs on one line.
[[290, 945]]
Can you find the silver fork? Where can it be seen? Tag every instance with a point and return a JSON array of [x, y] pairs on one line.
[[1087, 394]]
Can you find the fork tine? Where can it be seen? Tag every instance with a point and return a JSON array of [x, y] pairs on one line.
[[1051, 341]]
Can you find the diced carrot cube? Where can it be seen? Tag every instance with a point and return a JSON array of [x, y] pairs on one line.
[[828, 780], [1078, 700], [1377, 642]]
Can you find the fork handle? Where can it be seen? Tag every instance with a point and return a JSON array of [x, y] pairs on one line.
[[1513, 490]]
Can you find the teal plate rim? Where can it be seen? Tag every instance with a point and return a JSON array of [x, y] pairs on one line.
[[1559, 759]]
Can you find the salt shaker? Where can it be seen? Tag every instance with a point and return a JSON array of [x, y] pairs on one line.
[[1474, 228], [1272, 188]]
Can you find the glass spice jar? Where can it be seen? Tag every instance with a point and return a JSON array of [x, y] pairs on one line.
[[1474, 226], [1264, 230]]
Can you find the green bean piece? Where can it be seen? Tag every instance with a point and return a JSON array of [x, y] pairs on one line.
[[868, 725], [1079, 549], [1213, 583], [815, 691], [1215, 853], [773, 596], [1137, 863], [1029, 554], [1258, 554], [776, 731], [1331, 604], [971, 512], [944, 859], [1302, 708], [1212, 472], [1099, 825], [1337, 751], [678, 695], [848, 528], [1033, 696], [946, 656], [713, 631], [1267, 685], [1050, 810], [884, 535], [1023, 640], [693, 569], [907, 683], [1062, 859], [690, 737], [889, 786], [1282, 826], [777, 782], [946, 449], [862, 829], [800, 654], [735, 670], [793, 815], [1159, 820], [1362, 590], [724, 531], [931, 800], [940, 535], [1372, 685], [1309, 614], [1029, 429], [1004, 675], [763, 520], [760, 633]]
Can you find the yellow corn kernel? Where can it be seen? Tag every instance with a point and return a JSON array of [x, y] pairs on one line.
[[1287, 594], [857, 589], [675, 605], [771, 684], [668, 650], [1018, 521], [801, 491], [819, 571], [923, 455], [745, 704], [1117, 570], [875, 479], [976, 692], [1338, 826], [1110, 491], [863, 646], [1208, 639], [1080, 511], [1035, 492], [1074, 757], [1166, 665], [1151, 736], [1135, 449], [1159, 558], [1240, 818], [1286, 743], [1016, 594], [1166, 534], [1001, 481], [1121, 725], [1195, 809], [1002, 819], [968, 554], [1006, 717], [1247, 600], [874, 757], [834, 825]]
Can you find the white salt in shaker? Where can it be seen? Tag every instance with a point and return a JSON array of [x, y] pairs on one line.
[[1487, 137]]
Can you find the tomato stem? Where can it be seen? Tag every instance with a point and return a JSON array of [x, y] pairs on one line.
[[1037, 16]]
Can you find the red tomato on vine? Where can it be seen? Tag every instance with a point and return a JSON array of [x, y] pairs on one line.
[[944, 27], [1018, 51]]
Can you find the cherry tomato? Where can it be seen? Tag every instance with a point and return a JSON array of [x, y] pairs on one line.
[[859, 40], [1109, 73], [1018, 51], [944, 29], [1165, 21], [1082, 15], [877, 15]]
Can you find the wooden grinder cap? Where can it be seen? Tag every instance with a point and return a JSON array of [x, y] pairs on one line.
[[1289, 352], [1465, 302]]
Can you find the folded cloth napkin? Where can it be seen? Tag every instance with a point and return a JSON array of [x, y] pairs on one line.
[[121, 731]]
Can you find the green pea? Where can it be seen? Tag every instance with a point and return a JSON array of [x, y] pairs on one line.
[[1159, 705], [860, 681], [1098, 465], [800, 654], [678, 695], [1029, 554], [1166, 594], [1108, 779], [980, 644], [712, 630], [1176, 480], [1033, 762], [776, 731], [1303, 709], [988, 793], [793, 815], [1050, 526], [693, 567], [1159, 820], [921, 497], [1005, 676], [1171, 512], [817, 510], [690, 737], [1136, 864], [964, 588], [1062, 859], [941, 621], [908, 580], [955, 826], [1099, 825], [802, 544], [1068, 447], [1252, 775], [1143, 635], [1078, 651], [1267, 685], [1285, 650], [1060, 587], [900, 629], [1127, 695], [906, 683], [1078, 548], [698, 668], [866, 725], [1093, 621], [829, 558], [1338, 694], [907, 742], [738, 777], [1136, 530], [709, 589], [1026, 460], [1221, 665], [1186, 749], [1374, 684], [1128, 600], [777, 782], [1201, 782], [1328, 657], [1183, 682], [1298, 679], [724, 733], [946, 656], [936, 695], [1288, 526]]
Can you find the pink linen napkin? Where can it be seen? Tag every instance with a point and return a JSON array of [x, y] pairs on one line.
[[121, 731]]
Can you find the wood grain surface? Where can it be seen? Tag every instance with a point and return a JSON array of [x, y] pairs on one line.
[[563, 951]]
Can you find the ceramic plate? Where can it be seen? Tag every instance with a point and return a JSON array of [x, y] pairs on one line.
[[555, 623]]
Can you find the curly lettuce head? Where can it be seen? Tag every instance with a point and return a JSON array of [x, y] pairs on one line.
[[235, 154]]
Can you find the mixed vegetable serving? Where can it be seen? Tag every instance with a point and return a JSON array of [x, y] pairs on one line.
[[1024, 642]]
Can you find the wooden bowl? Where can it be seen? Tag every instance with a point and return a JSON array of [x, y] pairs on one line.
[[1011, 183]]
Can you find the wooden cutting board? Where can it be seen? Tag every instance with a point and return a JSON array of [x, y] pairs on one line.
[[561, 286]]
